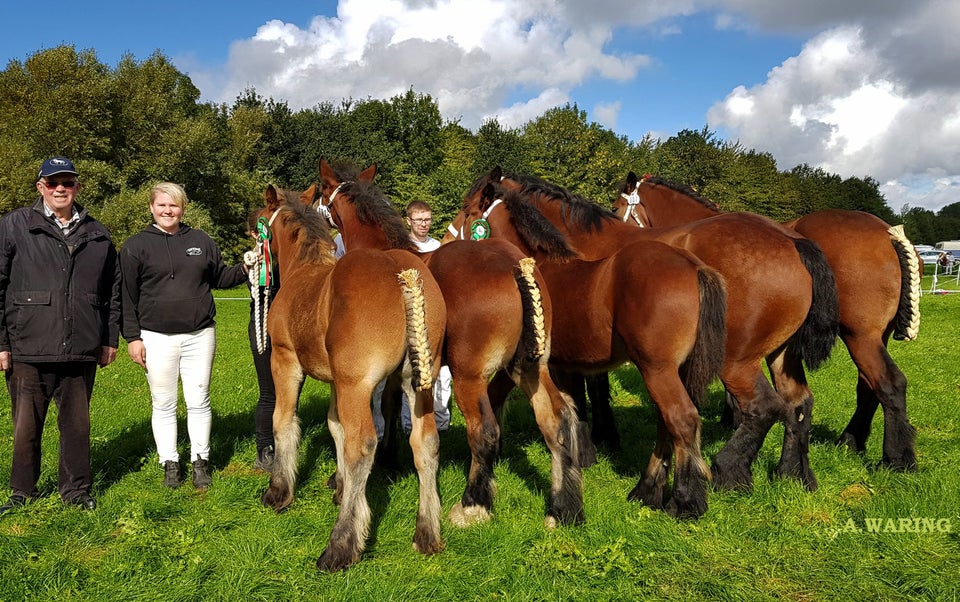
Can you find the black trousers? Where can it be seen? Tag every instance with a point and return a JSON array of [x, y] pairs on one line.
[[263, 414], [31, 387]]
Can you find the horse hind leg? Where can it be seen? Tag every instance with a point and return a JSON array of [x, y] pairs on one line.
[[881, 383], [761, 407], [682, 421], [791, 383], [356, 442], [649, 490], [425, 444], [483, 436], [557, 420]]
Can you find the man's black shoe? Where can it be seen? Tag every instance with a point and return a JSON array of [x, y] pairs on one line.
[[15, 501], [85, 501]]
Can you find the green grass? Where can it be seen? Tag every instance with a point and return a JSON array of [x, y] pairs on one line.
[[148, 542]]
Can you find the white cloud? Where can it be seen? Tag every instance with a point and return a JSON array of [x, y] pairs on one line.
[[875, 90], [470, 55], [606, 114], [842, 105]]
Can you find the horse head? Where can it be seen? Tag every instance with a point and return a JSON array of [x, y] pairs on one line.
[[629, 205], [495, 208], [357, 207]]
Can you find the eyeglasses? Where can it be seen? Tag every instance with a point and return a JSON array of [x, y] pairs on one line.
[[64, 183], [421, 220]]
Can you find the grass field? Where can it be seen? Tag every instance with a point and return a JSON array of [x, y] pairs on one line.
[[865, 534]]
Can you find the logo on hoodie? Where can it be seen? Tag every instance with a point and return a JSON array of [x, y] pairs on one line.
[[193, 251]]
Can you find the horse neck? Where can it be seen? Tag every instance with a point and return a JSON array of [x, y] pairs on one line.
[[592, 244], [667, 207], [357, 235]]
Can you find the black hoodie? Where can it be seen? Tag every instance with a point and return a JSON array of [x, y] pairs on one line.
[[167, 279]]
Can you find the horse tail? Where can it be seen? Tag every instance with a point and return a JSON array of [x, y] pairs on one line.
[[906, 324], [818, 333], [534, 336], [418, 344], [705, 360]]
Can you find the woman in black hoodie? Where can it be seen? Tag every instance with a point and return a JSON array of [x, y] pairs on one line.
[[169, 270]]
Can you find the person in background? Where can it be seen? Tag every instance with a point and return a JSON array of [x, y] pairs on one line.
[[60, 303], [419, 218], [169, 270], [261, 297]]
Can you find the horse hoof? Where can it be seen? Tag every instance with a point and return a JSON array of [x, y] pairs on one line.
[[803, 474], [331, 561], [428, 546], [461, 516], [276, 500], [905, 463], [689, 510], [734, 478], [848, 441], [647, 494]]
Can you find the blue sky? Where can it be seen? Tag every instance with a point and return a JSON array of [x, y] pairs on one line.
[[860, 87]]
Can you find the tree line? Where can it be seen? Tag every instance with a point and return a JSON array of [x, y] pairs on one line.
[[140, 122]]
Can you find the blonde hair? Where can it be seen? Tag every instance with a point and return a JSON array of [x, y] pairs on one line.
[[175, 191]]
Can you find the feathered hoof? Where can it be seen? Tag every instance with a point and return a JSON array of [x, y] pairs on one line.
[[277, 499], [336, 559], [471, 515], [428, 545]]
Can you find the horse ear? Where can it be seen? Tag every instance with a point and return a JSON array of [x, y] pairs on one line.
[[496, 174], [631, 179], [486, 196], [326, 173], [270, 198], [308, 196], [368, 174]]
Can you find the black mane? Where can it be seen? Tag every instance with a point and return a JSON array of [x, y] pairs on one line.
[[372, 206], [685, 190], [576, 211]]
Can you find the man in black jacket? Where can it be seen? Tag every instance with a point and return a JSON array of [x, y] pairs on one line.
[[60, 304]]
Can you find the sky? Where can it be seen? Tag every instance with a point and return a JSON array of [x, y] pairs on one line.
[[864, 88]]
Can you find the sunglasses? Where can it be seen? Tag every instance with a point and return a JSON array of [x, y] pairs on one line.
[[64, 183]]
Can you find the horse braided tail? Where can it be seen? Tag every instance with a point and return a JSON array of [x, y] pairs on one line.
[[818, 333], [906, 324], [534, 333], [706, 358], [418, 344]]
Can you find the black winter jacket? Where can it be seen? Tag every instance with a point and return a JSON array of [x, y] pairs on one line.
[[168, 279], [60, 296]]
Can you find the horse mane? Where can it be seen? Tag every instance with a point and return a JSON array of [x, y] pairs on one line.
[[536, 231], [682, 189], [372, 206], [575, 210], [308, 230]]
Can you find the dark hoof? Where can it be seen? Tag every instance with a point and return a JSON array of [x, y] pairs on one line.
[[735, 478], [333, 560], [906, 463], [687, 510], [648, 494], [273, 498], [803, 474], [850, 442]]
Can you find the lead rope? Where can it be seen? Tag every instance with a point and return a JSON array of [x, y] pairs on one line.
[[261, 276]]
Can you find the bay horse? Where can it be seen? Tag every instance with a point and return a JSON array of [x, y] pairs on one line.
[[499, 317], [350, 323], [878, 285], [781, 306], [654, 305]]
